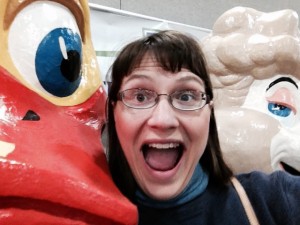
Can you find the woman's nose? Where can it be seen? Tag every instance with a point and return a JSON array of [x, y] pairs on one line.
[[163, 115]]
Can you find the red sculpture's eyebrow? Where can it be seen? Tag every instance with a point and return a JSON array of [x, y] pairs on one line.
[[15, 6]]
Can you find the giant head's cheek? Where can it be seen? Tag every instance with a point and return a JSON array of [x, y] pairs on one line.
[[245, 137], [285, 150]]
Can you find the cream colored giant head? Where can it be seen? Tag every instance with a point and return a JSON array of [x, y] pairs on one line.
[[253, 58]]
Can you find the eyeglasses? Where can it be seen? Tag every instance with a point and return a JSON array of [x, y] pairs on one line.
[[186, 100]]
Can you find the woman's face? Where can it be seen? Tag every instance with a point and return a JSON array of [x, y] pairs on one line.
[[162, 144]]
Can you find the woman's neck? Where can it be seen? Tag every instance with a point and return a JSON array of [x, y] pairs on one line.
[[195, 187]]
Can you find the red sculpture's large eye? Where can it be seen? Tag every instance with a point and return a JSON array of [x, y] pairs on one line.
[[49, 54]]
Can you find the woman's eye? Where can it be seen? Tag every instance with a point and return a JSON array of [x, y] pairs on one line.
[[279, 110], [186, 96], [48, 56], [143, 95], [140, 97]]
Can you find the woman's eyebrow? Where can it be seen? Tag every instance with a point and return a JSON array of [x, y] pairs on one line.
[[191, 78], [282, 79], [137, 76]]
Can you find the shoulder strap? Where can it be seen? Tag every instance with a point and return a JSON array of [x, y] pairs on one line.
[[245, 201]]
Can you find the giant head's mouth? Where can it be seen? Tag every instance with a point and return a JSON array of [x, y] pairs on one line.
[[162, 157], [40, 196], [289, 169], [36, 211]]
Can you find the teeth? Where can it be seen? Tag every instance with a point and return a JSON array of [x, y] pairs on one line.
[[164, 146]]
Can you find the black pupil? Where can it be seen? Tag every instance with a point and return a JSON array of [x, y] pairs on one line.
[[140, 97], [184, 97], [281, 107], [70, 67]]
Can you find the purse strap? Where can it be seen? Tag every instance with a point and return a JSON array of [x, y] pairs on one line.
[[245, 201]]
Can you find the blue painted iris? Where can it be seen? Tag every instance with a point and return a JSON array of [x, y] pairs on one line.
[[279, 110], [58, 62]]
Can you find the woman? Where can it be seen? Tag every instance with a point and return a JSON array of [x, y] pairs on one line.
[[164, 153]]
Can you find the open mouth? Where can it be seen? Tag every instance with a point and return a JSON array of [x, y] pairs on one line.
[[290, 169], [162, 156]]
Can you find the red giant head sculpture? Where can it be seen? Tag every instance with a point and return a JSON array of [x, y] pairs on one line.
[[53, 168]]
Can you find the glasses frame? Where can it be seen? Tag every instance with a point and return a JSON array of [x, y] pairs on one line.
[[120, 97]]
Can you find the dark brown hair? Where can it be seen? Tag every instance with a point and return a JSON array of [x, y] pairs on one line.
[[173, 51]]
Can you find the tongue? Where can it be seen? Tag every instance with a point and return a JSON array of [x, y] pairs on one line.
[[161, 159]]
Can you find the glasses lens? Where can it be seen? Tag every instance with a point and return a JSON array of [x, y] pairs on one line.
[[138, 98], [188, 100]]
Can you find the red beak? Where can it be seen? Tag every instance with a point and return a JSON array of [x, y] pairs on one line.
[[55, 171]]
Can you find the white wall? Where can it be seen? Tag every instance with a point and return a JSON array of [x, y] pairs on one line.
[[201, 13]]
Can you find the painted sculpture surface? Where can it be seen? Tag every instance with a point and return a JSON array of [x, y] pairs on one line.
[[253, 58], [52, 107]]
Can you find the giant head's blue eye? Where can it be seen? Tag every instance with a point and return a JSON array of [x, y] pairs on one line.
[[279, 110], [58, 62]]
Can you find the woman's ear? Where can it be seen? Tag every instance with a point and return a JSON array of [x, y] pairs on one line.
[[211, 104]]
